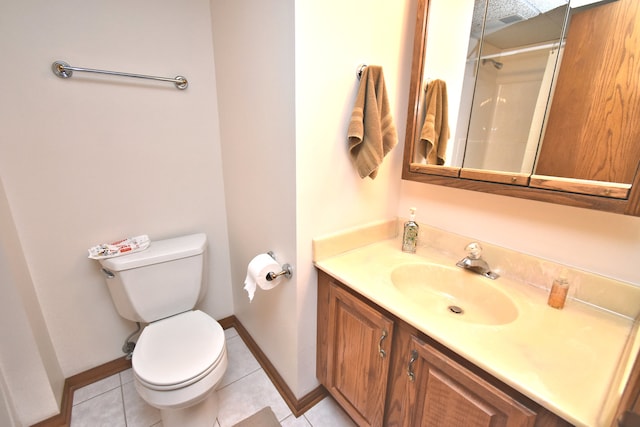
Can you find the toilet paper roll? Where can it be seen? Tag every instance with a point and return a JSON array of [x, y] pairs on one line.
[[257, 272]]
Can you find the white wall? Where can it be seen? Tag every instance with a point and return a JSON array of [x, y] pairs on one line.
[[598, 242], [21, 366], [286, 166], [253, 43], [92, 159], [332, 39], [8, 416], [31, 380]]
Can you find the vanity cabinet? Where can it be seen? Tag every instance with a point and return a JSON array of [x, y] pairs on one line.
[[382, 371], [354, 361], [430, 388]]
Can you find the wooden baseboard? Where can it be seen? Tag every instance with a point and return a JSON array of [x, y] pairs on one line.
[[297, 406], [71, 384]]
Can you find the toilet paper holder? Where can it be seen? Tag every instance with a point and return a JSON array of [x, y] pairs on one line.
[[286, 269]]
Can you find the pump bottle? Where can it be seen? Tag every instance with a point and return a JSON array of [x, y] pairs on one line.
[[410, 236]]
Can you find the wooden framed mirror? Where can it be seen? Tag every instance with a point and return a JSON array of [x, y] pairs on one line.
[[597, 150]]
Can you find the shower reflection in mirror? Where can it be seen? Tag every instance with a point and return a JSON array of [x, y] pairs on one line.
[[499, 69]]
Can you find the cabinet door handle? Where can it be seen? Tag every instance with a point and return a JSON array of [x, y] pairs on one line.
[[382, 338], [410, 373]]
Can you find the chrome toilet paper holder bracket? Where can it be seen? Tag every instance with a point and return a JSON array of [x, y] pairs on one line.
[[286, 270]]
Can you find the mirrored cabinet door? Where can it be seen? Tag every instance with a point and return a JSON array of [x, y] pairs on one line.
[[537, 99]]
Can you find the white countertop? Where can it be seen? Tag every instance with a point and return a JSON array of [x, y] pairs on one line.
[[568, 360]]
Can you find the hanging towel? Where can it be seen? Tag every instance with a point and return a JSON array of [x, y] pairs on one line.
[[372, 133], [435, 130]]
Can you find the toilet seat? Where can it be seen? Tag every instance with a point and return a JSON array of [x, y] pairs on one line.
[[178, 351]]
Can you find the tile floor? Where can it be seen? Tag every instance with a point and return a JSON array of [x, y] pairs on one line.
[[245, 389]]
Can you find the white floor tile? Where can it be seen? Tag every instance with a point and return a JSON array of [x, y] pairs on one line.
[[245, 389], [247, 396], [105, 410], [138, 413], [328, 413], [126, 376], [292, 421], [230, 333], [95, 389], [241, 361]]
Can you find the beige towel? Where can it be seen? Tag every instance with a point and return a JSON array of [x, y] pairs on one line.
[[435, 130], [372, 133]]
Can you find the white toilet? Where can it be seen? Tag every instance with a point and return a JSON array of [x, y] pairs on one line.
[[181, 355]]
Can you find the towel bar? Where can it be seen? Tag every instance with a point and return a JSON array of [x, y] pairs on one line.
[[65, 71]]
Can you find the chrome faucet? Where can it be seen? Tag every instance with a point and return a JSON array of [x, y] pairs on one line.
[[474, 262]]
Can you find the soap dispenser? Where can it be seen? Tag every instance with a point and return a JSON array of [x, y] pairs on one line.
[[410, 236]]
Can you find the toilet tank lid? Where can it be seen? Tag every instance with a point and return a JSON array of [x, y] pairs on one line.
[[159, 251]]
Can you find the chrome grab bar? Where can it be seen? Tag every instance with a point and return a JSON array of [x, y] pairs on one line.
[[65, 71]]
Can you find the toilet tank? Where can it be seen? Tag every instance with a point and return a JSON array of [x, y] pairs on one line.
[[165, 279]]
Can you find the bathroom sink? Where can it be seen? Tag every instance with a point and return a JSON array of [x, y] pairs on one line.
[[454, 292]]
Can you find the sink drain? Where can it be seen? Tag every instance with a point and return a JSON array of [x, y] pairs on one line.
[[455, 309]]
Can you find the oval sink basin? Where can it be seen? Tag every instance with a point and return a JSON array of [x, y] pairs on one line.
[[454, 292]]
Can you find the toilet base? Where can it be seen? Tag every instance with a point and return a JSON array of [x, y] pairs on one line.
[[202, 414]]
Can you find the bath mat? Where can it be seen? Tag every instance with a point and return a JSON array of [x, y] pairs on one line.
[[263, 418]]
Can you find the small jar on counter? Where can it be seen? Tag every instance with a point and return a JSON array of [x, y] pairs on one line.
[[558, 293]]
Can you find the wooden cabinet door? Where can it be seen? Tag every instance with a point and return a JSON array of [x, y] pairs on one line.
[[596, 102], [357, 363], [398, 410], [448, 394]]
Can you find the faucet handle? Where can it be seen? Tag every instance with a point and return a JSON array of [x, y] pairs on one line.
[[474, 250]]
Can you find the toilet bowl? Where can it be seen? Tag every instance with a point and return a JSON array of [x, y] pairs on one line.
[[178, 363], [180, 356]]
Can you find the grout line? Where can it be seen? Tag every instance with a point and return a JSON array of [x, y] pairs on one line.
[[97, 395], [243, 377], [124, 407]]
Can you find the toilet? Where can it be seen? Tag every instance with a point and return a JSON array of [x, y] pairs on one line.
[[180, 356]]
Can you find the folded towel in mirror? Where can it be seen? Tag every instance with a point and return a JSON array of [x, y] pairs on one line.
[[435, 130]]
